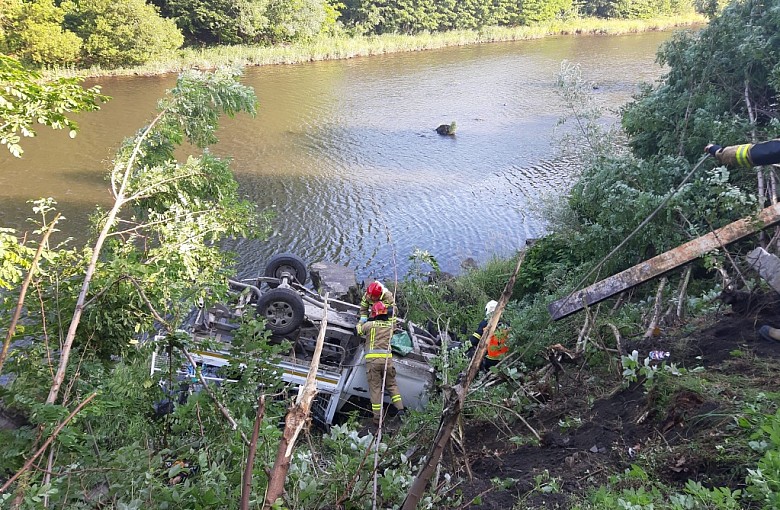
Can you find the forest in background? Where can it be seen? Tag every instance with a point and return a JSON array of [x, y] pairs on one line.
[[125, 33]]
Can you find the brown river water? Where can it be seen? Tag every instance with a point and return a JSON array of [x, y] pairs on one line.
[[346, 154]]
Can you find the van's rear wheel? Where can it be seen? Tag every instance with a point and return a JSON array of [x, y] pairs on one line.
[[282, 310], [289, 263]]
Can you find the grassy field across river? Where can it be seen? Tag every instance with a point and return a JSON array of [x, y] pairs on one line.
[[342, 46]]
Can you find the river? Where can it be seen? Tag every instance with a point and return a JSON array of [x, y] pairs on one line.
[[346, 154]]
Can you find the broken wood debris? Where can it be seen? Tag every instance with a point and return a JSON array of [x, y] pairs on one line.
[[663, 263]]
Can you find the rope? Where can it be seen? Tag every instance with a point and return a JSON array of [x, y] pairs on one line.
[[635, 231]]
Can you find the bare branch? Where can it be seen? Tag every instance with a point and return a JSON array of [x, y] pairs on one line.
[[46, 444], [23, 291]]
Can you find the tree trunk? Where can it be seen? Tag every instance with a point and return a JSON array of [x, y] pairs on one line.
[[119, 201], [455, 398], [246, 488], [295, 420], [653, 326], [683, 292]]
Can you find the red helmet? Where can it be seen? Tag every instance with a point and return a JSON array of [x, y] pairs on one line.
[[374, 290], [378, 308]]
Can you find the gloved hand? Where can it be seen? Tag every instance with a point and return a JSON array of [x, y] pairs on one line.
[[363, 320], [712, 148]]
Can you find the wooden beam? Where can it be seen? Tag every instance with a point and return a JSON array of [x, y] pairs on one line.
[[663, 263]]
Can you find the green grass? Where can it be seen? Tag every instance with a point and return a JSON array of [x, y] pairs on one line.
[[344, 47]]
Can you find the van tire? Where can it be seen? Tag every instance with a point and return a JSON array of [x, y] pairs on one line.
[[282, 310], [286, 263]]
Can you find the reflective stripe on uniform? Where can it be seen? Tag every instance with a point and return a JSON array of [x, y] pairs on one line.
[[396, 398], [742, 156], [378, 354]]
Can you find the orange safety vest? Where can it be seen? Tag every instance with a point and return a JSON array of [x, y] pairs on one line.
[[497, 346]]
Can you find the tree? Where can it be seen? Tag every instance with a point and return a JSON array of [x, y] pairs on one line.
[[536, 11], [124, 32], [180, 210], [25, 99], [721, 86], [33, 31], [217, 21], [295, 20]]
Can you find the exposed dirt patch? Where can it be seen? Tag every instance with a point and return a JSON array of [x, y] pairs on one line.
[[615, 429]]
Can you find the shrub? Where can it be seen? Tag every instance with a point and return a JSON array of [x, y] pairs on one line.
[[125, 32], [33, 31]]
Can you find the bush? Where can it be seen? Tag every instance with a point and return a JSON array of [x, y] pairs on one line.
[[33, 32], [125, 32]]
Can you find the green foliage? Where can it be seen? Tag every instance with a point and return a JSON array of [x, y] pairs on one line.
[[124, 32], [702, 98], [15, 259], [180, 212], [415, 16], [764, 480], [537, 11], [650, 372], [456, 304], [217, 21], [295, 20], [251, 21], [26, 100], [542, 259], [33, 31], [633, 9]]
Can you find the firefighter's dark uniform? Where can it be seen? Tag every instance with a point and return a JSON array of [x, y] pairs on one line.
[[750, 154]]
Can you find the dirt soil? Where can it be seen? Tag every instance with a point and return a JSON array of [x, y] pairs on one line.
[[585, 440]]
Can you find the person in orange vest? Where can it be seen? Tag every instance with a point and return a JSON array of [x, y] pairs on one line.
[[376, 292], [379, 360], [497, 344]]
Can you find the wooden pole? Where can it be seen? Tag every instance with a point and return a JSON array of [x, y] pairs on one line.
[[454, 400], [663, 263], [296, 418]]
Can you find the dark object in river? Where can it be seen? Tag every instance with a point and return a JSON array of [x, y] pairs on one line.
[[446, 129]]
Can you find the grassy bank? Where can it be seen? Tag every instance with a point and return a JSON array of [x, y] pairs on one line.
[[342, 47]]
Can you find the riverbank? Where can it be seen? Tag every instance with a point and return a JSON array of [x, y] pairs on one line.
[[342, 47]]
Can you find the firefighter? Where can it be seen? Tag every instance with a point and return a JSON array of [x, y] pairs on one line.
[[496, 347], [376, 292], [748, 154], [379, 360]]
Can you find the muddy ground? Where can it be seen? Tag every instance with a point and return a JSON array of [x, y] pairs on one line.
[[591, 430]]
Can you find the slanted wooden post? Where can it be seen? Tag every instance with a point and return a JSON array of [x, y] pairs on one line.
[[455, 399], [296, 418], [663, 263]]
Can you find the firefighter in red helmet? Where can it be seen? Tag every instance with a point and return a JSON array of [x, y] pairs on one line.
[[379, 359], [376, 292]]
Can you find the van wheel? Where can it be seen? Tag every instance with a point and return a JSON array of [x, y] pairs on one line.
[[286, 263], [282, 310]]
